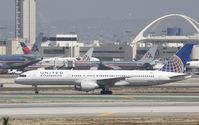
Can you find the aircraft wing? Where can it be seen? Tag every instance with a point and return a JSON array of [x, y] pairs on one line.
[[29, 57], [110, 81], [108, 66], [5, 66], [32, 57], [180, 76]]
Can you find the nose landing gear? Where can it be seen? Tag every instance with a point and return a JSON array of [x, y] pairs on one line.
[[35, 89]]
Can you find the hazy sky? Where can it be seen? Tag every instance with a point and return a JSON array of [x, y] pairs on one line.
[[103, 16], [78, 9]]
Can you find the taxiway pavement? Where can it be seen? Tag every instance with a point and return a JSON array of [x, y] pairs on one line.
[[99, 105]]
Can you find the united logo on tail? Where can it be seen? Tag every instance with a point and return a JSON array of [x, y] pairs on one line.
[[174, 64], [177, 62]]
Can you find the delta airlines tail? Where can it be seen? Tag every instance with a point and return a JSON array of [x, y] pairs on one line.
[[20, 61], [36, 48], [89, 80], [25, 48]]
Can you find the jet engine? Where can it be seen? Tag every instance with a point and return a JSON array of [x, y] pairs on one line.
[[147, 66], [86, 86]]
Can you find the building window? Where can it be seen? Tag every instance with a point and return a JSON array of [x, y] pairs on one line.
[[54, 51], [60, 39]]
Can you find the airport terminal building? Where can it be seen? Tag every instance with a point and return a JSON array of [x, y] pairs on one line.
[[69, 46]]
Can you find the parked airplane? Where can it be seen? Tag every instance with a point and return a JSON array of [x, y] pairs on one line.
[[63, 61], [144, 63], [86, 57], [193, 64], [89, 80], [20, 61], [158, 66]]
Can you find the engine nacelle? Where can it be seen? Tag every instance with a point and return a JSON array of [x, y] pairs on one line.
[[147, 66], [87, 86], [121, 83]]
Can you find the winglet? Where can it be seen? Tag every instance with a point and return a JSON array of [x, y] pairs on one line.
[[177, 62]]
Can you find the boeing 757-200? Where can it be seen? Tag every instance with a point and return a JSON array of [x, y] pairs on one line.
[[89, 80]]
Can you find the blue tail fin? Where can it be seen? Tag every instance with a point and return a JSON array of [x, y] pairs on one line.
[[177, 62]]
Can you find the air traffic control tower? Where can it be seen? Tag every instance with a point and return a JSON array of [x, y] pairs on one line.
[[25, 20]]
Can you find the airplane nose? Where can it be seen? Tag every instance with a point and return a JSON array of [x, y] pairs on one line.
[[21, 81], [18, 80]]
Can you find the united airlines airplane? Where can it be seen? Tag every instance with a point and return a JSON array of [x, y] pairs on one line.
[[89, 80]]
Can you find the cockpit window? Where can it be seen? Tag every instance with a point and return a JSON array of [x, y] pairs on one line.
[[22, 75]]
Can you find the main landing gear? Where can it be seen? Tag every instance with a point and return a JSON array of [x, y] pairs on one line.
[[35, 89], [1, 85], [106, 91]]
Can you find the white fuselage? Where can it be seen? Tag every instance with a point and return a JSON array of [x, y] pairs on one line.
[[120, 77], [59, 61], [193, 64]]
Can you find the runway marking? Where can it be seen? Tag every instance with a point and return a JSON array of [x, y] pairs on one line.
[[97, 98], [106, 114], [128, 97], [102, 111]]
